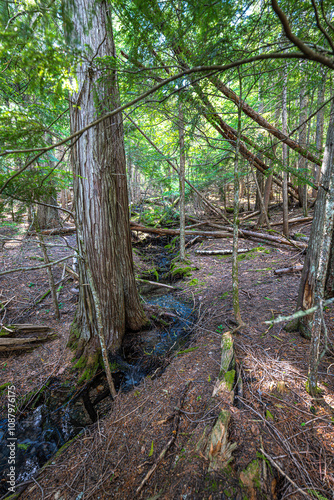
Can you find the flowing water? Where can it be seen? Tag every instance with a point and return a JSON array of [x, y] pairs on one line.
[[61, 413]]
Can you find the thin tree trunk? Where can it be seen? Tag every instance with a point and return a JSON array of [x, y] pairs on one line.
[[319, 129], [285, 155], [212, 207], [235, 272], [49, 271], [182, 185], [302, 191]]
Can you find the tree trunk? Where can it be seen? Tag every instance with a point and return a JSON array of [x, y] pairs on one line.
[[259, 192], [302, 191], [48, 217], [285, 155], [108, 294], [319, 129], [318, 272], [182, 185]]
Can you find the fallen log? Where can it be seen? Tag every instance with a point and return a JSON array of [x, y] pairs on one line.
[[294, 221], [222, 251], [27, 328], [5, 341], [56, 230], [175, 232], [226, 233], [288, 270], [249, 216], [269, 237], [10, 343]]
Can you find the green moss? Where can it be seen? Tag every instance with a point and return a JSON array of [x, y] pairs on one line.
[[182, 271], [191, 349], [3, 387], [251, 476], [227, 343], [229, 379]]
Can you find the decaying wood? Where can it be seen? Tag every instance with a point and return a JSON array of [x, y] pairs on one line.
[[294, 221], [224, 384], [162, 454], [288, 270], [27, 328], [155, 283], [250, 216], [176, 232], [4, 341], [11, 343], [225, 233], [56, 230], [222, 251], [275, 239], [218, 449], [73, 273]]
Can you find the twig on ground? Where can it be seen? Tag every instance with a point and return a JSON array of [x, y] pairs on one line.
[[170, 442]]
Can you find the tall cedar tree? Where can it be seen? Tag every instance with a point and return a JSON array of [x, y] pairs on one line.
[[108, 293]]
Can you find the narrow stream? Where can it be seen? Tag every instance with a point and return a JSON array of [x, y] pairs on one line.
[[60, 413]]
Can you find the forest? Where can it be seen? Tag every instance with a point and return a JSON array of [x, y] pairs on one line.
[[166, 249]]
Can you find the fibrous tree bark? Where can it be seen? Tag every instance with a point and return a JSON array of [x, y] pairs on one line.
[[108, 296], [318, 272], [321, 229]]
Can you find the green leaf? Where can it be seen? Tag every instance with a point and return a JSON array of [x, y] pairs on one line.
[[269, 415], [151, 450]]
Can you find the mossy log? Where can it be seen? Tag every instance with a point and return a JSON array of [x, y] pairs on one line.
[[225, 382], [219, 449]]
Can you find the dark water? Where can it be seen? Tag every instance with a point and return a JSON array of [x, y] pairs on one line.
[[61, 413]]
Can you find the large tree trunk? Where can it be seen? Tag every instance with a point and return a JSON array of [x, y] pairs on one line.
[[108, 293], [314, 282]]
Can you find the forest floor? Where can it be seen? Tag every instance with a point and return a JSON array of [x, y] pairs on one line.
[[274, 412]]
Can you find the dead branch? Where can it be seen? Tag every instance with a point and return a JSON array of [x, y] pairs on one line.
[[288, 270], [268, 457], [24, 269], [155, 283], [294, 221], [222, 251]]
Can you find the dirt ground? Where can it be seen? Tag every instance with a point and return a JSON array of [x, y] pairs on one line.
[[273, 412]]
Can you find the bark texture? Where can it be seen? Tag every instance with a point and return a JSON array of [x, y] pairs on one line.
[[318, 272], [100, 189], [48, 217]]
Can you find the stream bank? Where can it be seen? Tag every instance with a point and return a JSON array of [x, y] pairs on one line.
[[53, 415]]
